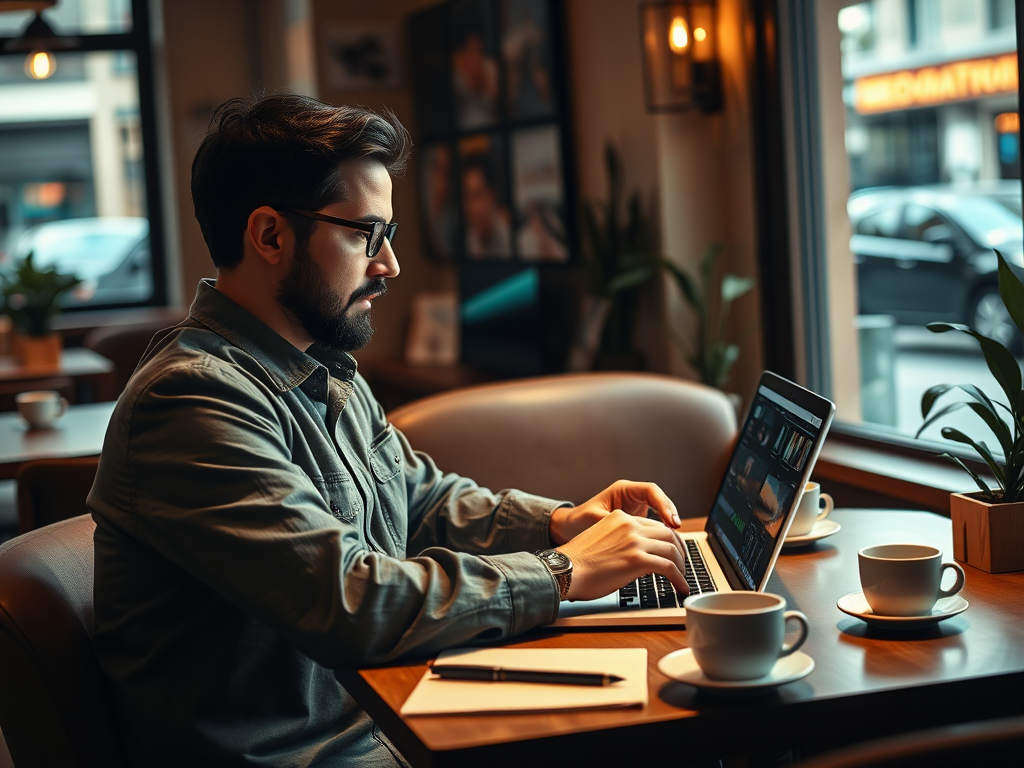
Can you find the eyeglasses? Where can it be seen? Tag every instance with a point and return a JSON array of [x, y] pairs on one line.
[[379, 231]]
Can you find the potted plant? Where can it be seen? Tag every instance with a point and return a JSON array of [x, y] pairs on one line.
[[988, 525], [709, 354], [616, 259], [30, 298]]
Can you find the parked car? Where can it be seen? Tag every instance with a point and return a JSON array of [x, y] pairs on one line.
[[925, 254], [110, 254]]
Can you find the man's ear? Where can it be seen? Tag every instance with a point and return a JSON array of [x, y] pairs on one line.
[[266, 234]]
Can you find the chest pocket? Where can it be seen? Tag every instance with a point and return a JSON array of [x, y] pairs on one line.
[[340, 494], [386, 455]]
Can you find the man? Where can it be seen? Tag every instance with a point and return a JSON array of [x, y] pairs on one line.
[[260, 524]]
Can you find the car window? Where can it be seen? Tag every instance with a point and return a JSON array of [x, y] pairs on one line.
[[982, 216], [881, 223], [924, 223]]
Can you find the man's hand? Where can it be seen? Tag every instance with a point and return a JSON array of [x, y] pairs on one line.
[[619, 548], [632, 498]]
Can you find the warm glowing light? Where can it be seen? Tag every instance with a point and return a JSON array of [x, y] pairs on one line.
[[1008, 122], [678, 36], [700, 35], [40, 65]]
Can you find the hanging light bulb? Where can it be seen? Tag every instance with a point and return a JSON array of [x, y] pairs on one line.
[[38, 40], [39, 65], [678, 35]]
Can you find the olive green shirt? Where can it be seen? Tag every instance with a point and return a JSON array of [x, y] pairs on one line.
[[261, 524]]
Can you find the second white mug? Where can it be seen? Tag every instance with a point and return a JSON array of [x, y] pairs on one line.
[[814, 506]]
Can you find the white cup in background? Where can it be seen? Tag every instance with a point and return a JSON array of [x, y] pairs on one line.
[[814, 506], [41, 408], [740, 635], [905, 579]]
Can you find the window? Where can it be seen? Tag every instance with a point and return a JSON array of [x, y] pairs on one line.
[[78, 185], [894, 226]]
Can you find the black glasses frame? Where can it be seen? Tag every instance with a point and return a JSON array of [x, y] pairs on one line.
[[379, 230]]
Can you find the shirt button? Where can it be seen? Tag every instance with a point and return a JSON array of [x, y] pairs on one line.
[[397, 459]]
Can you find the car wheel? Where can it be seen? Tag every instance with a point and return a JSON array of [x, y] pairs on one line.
[[990, 318]]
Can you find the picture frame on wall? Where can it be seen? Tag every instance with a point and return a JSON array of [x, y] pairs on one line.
[[492, 130]]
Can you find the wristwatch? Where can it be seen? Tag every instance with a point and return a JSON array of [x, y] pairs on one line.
[[561, 568]]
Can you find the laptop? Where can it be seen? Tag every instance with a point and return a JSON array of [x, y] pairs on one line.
[[777, 447]]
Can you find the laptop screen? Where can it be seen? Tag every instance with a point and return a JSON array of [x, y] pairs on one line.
[[763, 481]]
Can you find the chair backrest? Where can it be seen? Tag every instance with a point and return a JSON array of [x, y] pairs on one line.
[[53, 489], [55, 708], [568, 437], [124, 345]]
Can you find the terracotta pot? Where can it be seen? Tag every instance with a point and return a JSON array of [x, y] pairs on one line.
[[38, 351], [987, 536]]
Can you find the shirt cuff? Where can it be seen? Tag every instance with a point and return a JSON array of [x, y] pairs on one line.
[[527, 521], [533, 590]]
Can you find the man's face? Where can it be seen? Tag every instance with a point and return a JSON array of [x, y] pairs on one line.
[[331, 283]]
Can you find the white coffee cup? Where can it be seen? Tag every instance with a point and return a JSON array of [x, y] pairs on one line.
[[814, 506], [905, 579], [41, 408], [740, 635]]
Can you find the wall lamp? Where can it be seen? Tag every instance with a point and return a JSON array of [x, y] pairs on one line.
[[38, 39], [679, 40]]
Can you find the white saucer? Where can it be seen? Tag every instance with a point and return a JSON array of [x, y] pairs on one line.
[[821, 529], [855, 605], [680, 665]]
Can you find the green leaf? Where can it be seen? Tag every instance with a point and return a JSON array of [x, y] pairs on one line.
[[930, 396], [1001, 363], [734, 286], [1011, 291], [983, 451], [986, 492], [631, 278], [687, 285]]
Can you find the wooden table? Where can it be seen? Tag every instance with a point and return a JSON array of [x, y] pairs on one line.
[[92, 374], [78, 433], [866, 683]]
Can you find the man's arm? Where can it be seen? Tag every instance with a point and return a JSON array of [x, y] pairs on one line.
[[209, 484]]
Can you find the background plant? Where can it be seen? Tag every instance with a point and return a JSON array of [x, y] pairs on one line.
[[709, 354], [616, 254], [31, 295], [1009, 473]]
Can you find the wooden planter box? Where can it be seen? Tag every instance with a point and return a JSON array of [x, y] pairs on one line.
[[987, 536], [37, 351]]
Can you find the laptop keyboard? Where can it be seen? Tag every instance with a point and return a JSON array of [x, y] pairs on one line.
[[655, 591]]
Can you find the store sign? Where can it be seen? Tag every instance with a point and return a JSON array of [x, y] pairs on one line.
[[929, 86]]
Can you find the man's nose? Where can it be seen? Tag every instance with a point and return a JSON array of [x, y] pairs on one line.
[[385, 263]]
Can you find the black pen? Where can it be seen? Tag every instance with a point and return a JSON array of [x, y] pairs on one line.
[[499, 674]]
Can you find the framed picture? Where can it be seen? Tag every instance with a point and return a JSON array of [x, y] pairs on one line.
[[433, 337], [538, 194], [439, 200], [492, 127], [530, 82], [487, 221]]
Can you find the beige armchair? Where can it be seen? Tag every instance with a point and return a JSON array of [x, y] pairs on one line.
[[569, 436]]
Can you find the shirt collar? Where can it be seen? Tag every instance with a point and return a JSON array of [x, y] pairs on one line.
[[286, 365]]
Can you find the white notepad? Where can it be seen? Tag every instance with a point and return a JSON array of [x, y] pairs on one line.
[[434, 696]]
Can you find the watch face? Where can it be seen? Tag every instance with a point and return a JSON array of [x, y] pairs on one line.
[[556, 561]]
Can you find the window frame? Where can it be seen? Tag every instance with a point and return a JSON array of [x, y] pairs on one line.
[[138, 41], [789, 216]]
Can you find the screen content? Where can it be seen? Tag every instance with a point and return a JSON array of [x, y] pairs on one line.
[[761, 484]]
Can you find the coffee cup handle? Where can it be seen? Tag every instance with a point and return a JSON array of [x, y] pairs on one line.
[[957, 585], [805, 628], [63, 407], [824, 512]]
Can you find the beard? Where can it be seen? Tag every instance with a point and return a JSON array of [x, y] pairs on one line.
[[304, 294]]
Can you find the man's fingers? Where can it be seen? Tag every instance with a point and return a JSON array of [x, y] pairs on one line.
[[641, 496]]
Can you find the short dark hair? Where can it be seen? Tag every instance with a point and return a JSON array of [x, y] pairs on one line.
[[282, 150]]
